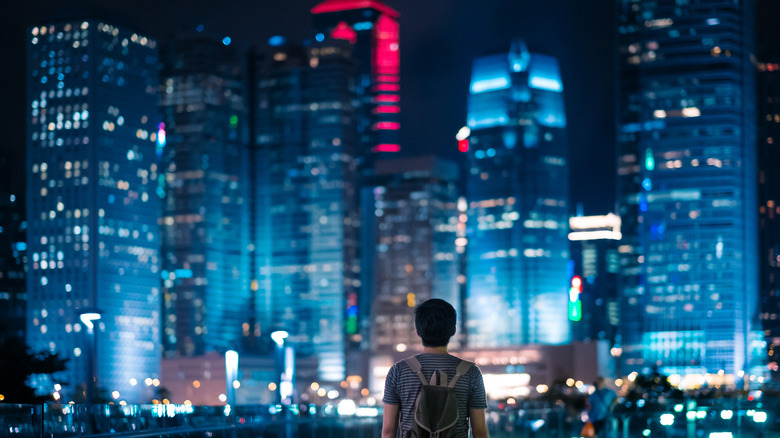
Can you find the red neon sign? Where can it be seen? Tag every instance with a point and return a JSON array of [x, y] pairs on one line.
[[343, 31], [387, 59], [388, 98], [385, 147], [387, 125], [387, 109], [347, 5], [463, 145], [387, 87]]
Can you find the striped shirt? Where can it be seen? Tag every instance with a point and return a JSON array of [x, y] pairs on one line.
[[403, 385]]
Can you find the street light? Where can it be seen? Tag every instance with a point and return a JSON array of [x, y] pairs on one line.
[[88, 318], [231, 376], [285, 367], [279, 336]]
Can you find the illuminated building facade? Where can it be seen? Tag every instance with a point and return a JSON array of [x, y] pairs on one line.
[[517, 190], [92, 208], [13, 248], [205, 224], [769, 206], [594, 241], [305, 201], [687, 189], [414, 219], [371, 27]]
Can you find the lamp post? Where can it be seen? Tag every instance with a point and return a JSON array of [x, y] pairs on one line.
[[88, 318], [283, 380], [231, 376]]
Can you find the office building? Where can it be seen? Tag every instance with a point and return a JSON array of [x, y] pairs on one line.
[[412, 219], [205, 223], [769, 206], [517, 191], [371, 28], [305, 201], [687, 190], [92, 207]]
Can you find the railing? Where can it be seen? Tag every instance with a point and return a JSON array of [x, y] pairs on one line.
[[65, 421], [685, 418], [715, 418]]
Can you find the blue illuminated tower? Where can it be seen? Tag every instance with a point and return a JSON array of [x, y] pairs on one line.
[[305, 201], [518, 195], [205, 223], [687, 190], [93, 238], [769, 204]]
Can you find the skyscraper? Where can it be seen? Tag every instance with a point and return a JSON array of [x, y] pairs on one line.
[[205, 225], [371, 27], [306, 201], [93, 239], [687, 189], [769, 205], [412, 221], [517, 190]]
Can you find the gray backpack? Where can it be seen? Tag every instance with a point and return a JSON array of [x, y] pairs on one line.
[[436, 407]]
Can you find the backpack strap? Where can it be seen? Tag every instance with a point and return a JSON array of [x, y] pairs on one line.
[[414, 364], [463, 368], [442, 378]]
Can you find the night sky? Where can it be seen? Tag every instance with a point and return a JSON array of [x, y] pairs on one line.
[[439, 38]]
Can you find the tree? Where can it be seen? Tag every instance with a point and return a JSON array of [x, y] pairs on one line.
[[18, 363]]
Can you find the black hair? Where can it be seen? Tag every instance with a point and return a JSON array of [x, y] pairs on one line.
[[435, 322]]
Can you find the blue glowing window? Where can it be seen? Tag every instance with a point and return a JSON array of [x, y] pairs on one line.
[[276, 41], [544, 73], [489, 74]]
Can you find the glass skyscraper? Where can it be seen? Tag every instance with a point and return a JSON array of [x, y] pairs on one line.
[[92, 207], [205, 222], [305, 202], [769, 204], [687, 189], [518, 201], [371, 27]]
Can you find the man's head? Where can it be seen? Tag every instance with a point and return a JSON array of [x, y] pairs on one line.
[[435, 322]]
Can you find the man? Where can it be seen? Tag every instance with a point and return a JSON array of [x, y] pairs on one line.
[[600, 404], [435, 324]]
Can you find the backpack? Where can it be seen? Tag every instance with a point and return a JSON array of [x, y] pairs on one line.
[[436, 407]]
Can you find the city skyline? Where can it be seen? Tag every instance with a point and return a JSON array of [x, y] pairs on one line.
[[301, 159]]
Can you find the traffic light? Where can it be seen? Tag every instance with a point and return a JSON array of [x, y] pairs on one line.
[[575, 305]]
